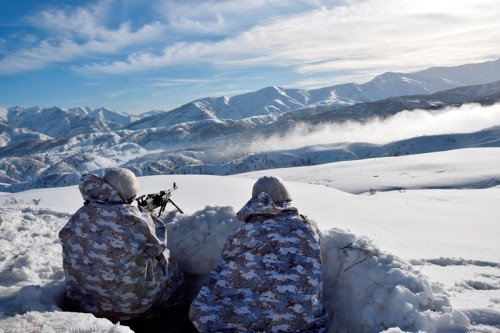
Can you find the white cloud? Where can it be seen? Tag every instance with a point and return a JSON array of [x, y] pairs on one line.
[[365, 36], [82, 22], [76, 35], [230, 17], [468, 118], [353, 40], [66, 49], [404, 125]]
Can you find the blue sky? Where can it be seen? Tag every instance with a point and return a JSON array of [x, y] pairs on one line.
[[139, 55]]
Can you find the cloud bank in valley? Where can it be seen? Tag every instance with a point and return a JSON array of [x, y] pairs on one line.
[[404, 125]]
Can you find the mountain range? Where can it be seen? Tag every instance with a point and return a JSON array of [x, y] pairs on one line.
[[44, 147]]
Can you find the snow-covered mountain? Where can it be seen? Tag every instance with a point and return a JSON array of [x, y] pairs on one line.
[[190, 125], [14, 136], [270, 102], [486, 94], [466, 75], [197, 129], [262, 106], [43, 147], [57, 122]]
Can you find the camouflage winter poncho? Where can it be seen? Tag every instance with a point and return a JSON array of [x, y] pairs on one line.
[[269, 276], [115, 256]]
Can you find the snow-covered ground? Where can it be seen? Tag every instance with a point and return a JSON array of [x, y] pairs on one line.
[[411, 243]]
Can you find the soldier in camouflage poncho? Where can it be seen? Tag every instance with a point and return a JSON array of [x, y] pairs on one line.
[[269, 276], [114, 255]]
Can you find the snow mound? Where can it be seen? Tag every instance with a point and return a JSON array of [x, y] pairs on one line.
[[31, 298], [196, 240], [367, 290], [32, 290], [59, 322]]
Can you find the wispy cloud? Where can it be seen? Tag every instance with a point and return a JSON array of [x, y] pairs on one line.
[[230, 17], [65, 50], [82, 22], [76, 35], [370, 36]]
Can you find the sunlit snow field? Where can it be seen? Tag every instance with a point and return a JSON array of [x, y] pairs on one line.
[[438, 212]]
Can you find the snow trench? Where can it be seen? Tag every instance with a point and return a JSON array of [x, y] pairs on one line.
[[365, 289]]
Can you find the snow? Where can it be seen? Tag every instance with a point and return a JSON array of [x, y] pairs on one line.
[[369, 291], [3, 114], [423, 257], [57, 321], [201, 236]]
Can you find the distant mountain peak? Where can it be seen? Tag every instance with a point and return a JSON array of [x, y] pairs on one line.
[[388, 76], [468, 74]]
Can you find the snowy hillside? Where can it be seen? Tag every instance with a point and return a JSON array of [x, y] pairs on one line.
[[15, 136], [59, 123], [443, 170], [420, 259]]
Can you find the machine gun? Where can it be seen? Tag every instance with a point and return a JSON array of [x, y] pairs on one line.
[[155, 200]]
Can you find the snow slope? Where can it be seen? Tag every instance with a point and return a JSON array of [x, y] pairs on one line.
[[424, 258], [441, 170]]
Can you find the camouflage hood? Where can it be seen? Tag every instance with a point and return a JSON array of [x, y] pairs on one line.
[[262, 205], [95, 189]]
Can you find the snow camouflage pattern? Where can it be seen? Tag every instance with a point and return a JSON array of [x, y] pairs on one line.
[[114, 255], [269, 276]]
